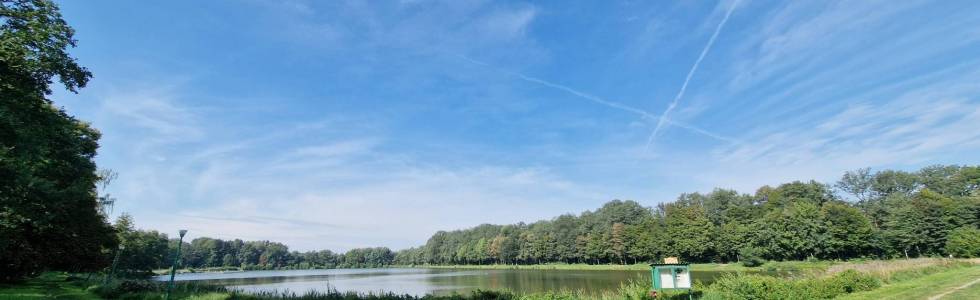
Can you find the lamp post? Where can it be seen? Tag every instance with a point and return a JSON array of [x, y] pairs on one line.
[[115, 261], [173, 269]]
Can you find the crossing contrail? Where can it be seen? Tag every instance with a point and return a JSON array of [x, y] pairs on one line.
[[642, 113], [664, 117]]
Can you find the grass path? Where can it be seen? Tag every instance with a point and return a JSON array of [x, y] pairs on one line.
[[971, 292], [952, 284], [958, 290]]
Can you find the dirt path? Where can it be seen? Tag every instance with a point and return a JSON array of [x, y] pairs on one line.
[[954, 290]]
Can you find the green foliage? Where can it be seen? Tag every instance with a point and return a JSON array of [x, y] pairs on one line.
[[751, 257], [49, 214], [748, 286], [964, 242], [689, 231], [143, 250], [847, 232]]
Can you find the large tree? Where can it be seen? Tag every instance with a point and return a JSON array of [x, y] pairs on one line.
[[49, 217]]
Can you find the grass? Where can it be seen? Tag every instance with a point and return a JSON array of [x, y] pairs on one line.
[[970, 292], [47, 286], [922, 287], [896, 279]]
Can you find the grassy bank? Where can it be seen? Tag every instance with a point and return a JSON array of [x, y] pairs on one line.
[[895, 279], [47, 286], [945, 283]]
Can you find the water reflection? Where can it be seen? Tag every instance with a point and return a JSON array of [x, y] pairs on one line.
[[425, 281]]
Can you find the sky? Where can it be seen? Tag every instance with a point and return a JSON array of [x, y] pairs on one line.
[[344, 124]]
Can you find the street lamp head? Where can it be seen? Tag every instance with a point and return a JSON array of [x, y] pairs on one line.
[[183, 232]]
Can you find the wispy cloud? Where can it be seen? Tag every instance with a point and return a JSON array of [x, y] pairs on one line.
[[918, 126]]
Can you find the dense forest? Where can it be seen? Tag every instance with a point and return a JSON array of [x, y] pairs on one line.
[[885, 214]]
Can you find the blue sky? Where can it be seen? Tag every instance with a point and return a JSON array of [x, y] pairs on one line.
[[333, 124]]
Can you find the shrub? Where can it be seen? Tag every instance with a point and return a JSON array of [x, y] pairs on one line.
[[964, 242], [751, 257], [751, 286]]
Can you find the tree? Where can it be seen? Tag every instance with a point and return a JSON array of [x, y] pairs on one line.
[[920, 224], [144, 250], [730, 239], [857, 183], [640, 242], [963, 242], [797, 191], [49, 214], [847, 231], [617, 243], [790, 232], [872, 190], [689, 231], [595, 249]]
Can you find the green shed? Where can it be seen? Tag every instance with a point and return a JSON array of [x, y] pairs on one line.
[[671, 276]]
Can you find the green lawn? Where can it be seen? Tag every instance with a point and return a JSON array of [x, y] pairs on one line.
[[46, 286], [928, 286]]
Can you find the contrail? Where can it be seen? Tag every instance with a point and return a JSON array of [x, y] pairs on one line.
[[711, 41], [642, 113], [569, 90]]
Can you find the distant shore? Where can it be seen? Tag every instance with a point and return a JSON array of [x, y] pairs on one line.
[[713, 267]]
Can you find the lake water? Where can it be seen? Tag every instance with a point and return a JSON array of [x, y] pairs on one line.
[[425, 281]]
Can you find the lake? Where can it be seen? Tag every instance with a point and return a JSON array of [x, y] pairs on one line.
[[421, 281]]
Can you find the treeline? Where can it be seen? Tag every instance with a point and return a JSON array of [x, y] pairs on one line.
[[145, 250], [207, 252], [886, 214]]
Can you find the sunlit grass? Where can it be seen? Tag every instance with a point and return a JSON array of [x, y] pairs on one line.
[[922, 287]]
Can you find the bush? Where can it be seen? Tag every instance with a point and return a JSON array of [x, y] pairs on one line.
[[751, 257], [964, 242], [750, 286], [850, 281]]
